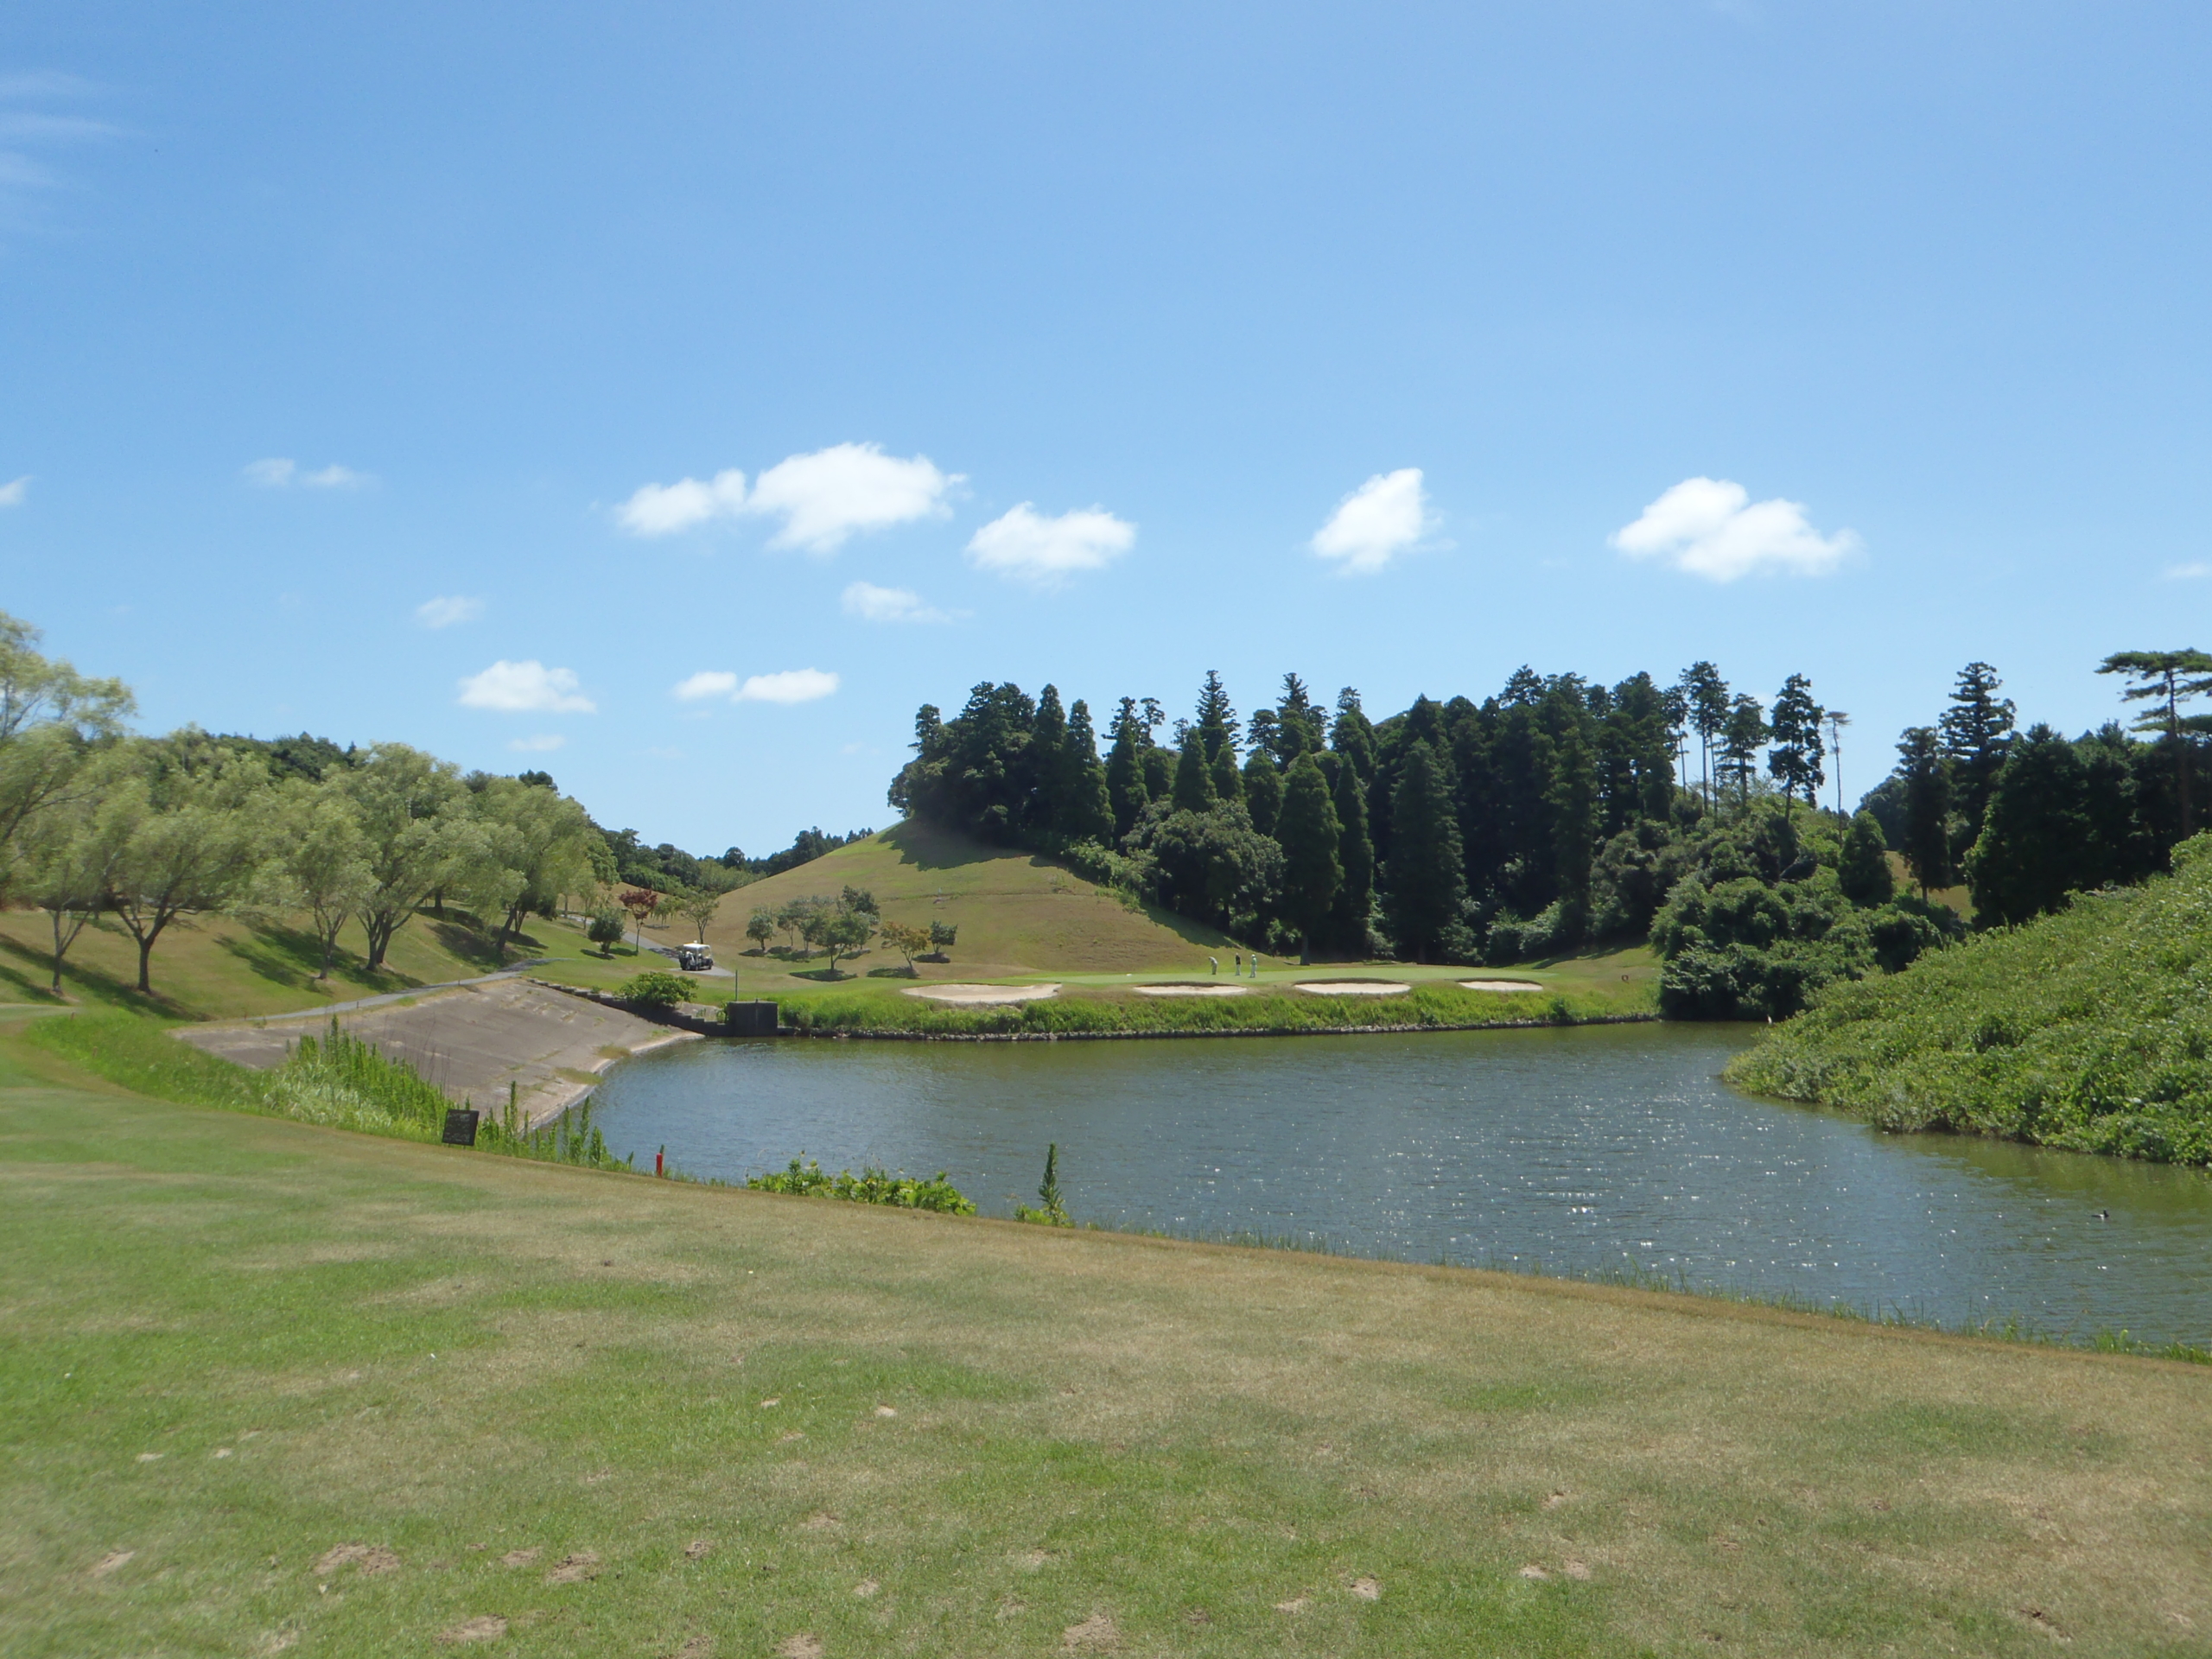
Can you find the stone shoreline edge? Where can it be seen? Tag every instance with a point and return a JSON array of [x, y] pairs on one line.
[[1239, 1031]]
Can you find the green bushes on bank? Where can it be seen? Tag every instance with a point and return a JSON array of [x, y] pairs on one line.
[[2089, 1029], [871, 1185]]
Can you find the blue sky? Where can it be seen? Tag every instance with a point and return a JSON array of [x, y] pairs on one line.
[[1063, 336]]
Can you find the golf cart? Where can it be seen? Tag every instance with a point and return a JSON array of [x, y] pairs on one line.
[[694, 958]]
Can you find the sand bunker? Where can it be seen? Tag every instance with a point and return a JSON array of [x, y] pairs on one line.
[[1195, 988], [1354, 987], [984, 996], [1499, 985]]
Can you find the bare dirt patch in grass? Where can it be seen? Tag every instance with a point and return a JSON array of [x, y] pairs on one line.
[[1097, 1634], [370, 1559], [520, 1557], [112, 1560], [578, 1568], [490, 1628], [804, 1645]]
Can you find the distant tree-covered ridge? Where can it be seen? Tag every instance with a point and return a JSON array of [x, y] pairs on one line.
[[1559, 812]]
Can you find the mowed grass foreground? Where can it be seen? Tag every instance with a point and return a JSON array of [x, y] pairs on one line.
[[271, 1388]]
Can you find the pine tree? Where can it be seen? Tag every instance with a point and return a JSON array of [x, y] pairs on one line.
[[1862, 870], [1977, 730], [1927, 776], [1194, 791], [1571, 795], [1046, 758], [1159, 772], [1704, 695], [1741, 740], [1299, 724], [1263, 791], [1795, 762], [1427, 884], [1309, 834], [1355, 855], [2171, 678]]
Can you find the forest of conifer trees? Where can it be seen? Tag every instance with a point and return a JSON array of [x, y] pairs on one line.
[[1560, 812]]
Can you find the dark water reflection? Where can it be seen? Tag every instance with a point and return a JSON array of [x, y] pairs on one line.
[[1577, 1150]]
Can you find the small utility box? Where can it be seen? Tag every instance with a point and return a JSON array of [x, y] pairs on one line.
[[750, 1019], [461, 1127]]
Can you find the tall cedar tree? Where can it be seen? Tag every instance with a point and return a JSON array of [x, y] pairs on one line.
[[1795, 761], [1125, 782], [1571, 796], [1087, 809], [1977, 730], [1047, 755], [1310, 834], [1352, 735], [1427, 884], [1216, 720], [1263, 789], [1298, 725], [1159, 772], [1194, 790], [2036, 845], [1228, 783], [1863, 869], [1927, 775], [1355, 856]]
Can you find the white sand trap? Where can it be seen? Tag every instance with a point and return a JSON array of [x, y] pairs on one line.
[[1198, 989], [984, 996], [1499, 985], [1354, 987]]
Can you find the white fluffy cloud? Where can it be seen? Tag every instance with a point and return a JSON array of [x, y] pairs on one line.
[[1383, 518], [793, 685], [1028, 547], [708, 682], [11, 495], [544, 743], [448, 610], [824, 497], [873, 604], [279, 474], [664, 509], [525, 688], [1712, 527]]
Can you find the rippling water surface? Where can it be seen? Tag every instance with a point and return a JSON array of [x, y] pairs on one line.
[[1574, 1150]]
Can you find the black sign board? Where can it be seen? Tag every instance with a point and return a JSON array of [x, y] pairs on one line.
[[749, 1019], [461, 1127]]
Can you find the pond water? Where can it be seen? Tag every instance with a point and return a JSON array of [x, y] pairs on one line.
[[1577, 1151]]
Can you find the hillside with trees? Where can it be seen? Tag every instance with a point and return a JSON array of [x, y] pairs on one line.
[[1560, 813]]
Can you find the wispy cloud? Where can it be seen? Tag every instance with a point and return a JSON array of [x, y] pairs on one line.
[[707, 682], [793, 685], [873, 604], [447, 611], [544, 743], [525, 688], [2194, 570], [1383, 518], [24, 180], [277, 473], [11, 495], [825, 498], [1710, 528], [1024, 545]]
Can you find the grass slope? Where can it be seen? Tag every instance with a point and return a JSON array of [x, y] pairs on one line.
[[272, 1387], [1018, 913], [2090, 1029]]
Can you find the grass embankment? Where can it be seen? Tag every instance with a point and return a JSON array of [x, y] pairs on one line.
[[272, 1386], [2090, 1030], [222, 968]]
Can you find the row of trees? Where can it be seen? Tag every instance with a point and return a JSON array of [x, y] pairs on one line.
[[95, 821]]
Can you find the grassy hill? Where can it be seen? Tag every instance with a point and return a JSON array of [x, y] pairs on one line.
[[2089, 1029], [1018, 913], [273, 1388]]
